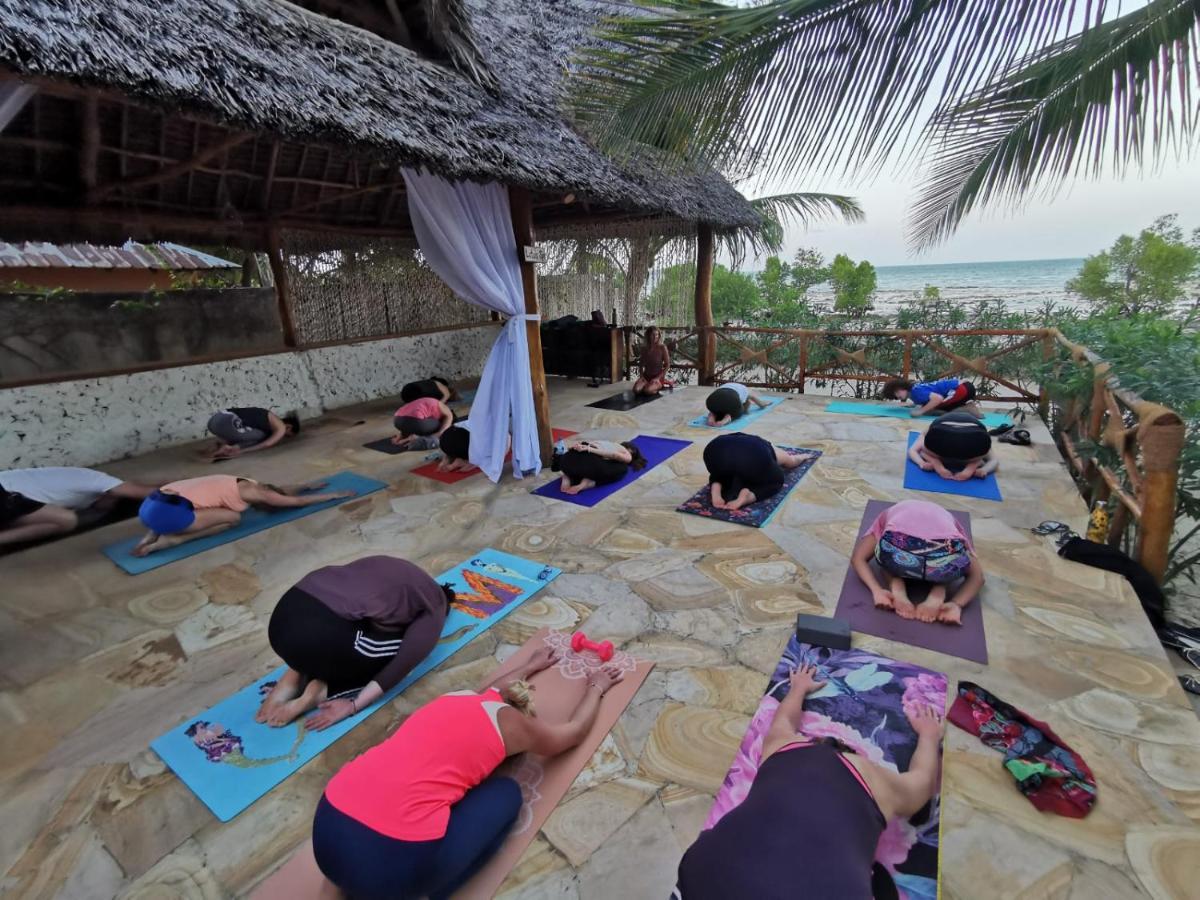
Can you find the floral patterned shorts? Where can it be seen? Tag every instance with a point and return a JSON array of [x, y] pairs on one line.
[[937, 562]]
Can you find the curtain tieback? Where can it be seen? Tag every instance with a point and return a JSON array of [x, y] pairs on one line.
[[520, 317]]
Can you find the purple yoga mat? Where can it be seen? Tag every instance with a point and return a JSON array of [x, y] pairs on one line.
[[966, 641], [655, 449]]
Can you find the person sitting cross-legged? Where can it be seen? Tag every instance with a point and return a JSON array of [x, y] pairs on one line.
[[197, 507]]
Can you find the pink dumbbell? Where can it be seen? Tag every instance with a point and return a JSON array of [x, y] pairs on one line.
[[603, 649]]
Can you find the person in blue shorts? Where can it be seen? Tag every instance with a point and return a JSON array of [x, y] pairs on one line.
[[934, 397]]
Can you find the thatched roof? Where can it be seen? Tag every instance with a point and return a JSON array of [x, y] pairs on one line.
[[274, 68]]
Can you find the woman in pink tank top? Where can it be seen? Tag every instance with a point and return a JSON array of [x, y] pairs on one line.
[[419, 814]]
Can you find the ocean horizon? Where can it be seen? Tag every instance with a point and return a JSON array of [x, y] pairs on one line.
[[1022, 284]]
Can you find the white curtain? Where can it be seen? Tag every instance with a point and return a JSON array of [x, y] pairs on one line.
[[13, 97], [465, 232]]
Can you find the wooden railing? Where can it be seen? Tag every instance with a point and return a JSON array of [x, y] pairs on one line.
[[1122, 449], [853, 362], [1125, 451]]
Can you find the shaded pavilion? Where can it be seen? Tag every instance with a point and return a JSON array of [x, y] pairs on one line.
[[231, 121]]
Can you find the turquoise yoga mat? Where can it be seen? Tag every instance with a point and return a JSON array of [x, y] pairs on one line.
[[858, 408], [229, 760], [746, 419], [253, 521]]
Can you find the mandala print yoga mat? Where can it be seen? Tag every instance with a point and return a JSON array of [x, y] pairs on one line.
[[228, 760], [862, 705], [756, 515]]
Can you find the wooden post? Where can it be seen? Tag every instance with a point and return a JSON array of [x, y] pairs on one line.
[[803, 359], [283, 294], [704, 317], [908, 341], [89, 144], [1043, 391], [522, 219], [1161, 442]]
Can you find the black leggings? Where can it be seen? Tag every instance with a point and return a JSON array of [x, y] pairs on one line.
[[725, 402], [319, 644], [579, 464], [367, 865], [737, 461], [957, 436], [409, 425]]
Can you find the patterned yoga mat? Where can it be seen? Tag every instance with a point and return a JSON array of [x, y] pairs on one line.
[[756, 515], [862, 704], [229, 760]]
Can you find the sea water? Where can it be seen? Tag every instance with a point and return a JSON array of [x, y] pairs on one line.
[[1021, 284]]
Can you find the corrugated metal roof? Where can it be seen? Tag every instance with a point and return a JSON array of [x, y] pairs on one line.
[[131, 255]]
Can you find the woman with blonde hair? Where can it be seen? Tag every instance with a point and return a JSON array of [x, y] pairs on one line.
[[419, 814]]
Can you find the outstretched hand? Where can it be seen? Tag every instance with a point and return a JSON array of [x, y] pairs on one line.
[[804, 679], [925, 720], [542, 658], [606, 678], [330, 713]]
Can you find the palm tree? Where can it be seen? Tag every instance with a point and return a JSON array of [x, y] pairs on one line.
[[1005, 95]]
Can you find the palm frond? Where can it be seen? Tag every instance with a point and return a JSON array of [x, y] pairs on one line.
[[780, 210], [1113, 95], [818, 84]]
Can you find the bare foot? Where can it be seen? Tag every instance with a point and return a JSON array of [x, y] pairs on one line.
[[285, 689], [145, 545], [927, 610], [950, 613], [283, 713], [904, 608]]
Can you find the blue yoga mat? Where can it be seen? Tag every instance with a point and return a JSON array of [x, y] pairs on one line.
[[253, 521], [855, 408], [746, 419], [232, 760], [655, 449], [917, 479]]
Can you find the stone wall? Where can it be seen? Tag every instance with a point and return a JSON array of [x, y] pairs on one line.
[[97, 332], [89, 421]]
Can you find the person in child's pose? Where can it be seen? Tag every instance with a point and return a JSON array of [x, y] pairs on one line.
[[931, 397], [730, 401], [744, 468], [247, 429], [417, 815], [956, 446], [421, 422], [197, 507], [455, 444], [815, 806], [656, 359], [349, 634], [588, 463], [915, 540], [434, 386]]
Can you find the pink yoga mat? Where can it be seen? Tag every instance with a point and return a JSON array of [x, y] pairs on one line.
[[544, 782], [966, 641]]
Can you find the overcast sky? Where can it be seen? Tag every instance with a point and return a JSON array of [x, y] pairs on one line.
[[1085, 217]]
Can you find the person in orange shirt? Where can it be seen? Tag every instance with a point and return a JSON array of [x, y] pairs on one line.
[[197, 507]]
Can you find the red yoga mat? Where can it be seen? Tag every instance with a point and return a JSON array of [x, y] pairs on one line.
[[430, 470]]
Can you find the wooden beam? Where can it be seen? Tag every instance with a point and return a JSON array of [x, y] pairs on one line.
[[172, 171], [89, 142], [344, 195], [283, 294], [704, 316], [522, 219]]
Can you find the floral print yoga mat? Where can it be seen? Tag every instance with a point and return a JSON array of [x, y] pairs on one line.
[[862, 704]]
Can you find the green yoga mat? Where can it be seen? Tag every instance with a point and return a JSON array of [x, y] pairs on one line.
[[859, 408]]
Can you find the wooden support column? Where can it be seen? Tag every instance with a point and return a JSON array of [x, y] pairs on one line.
[[707, 357], [89, 142], [1161, 436], [522, 219], [1043, 391], [283, 294]]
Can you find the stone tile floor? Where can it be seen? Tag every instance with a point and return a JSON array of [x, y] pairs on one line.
[[94, 664]]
